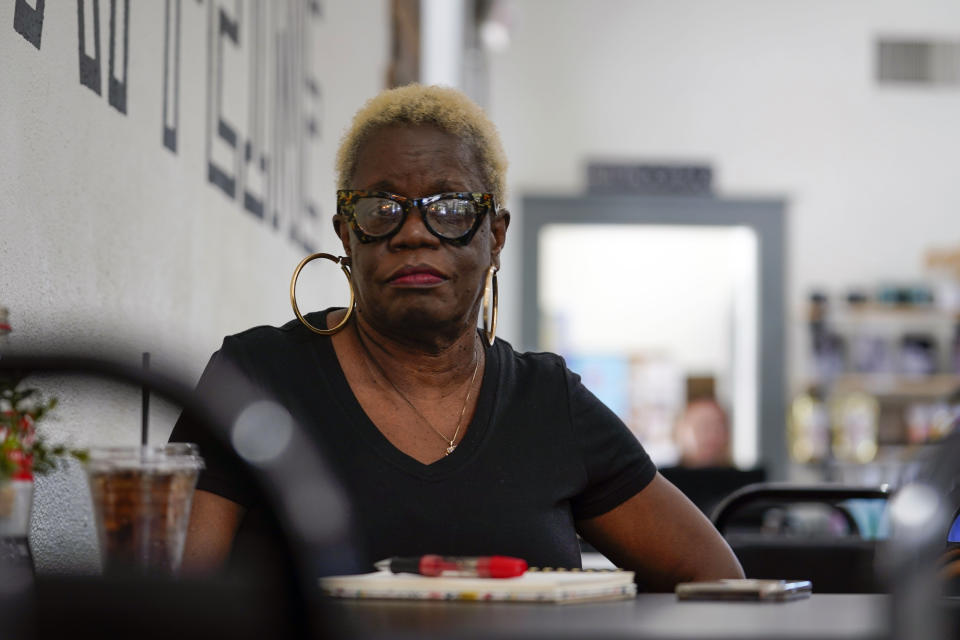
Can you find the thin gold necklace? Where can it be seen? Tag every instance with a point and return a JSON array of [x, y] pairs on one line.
[[451, 442]]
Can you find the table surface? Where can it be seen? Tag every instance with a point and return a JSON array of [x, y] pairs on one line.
[[647, 617]]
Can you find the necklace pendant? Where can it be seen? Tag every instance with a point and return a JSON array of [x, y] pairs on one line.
[[451, 448]]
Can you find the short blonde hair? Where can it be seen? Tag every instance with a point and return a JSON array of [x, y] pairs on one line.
[[444, 107]]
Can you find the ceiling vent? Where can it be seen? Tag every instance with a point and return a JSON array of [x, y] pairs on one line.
[[913, 61]]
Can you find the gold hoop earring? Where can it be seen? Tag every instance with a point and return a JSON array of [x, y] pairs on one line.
[[343, 262], [490, 309]]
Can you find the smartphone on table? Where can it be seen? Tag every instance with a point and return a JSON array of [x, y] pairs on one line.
[[745, 589]]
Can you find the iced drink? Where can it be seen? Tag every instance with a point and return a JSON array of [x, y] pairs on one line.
[[141, 504]]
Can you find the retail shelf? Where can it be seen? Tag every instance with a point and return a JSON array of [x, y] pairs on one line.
[[931, 387]]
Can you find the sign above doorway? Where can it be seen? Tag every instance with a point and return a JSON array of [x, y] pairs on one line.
[[649, 178]]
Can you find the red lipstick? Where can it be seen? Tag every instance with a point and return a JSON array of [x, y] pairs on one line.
[[417, 276]]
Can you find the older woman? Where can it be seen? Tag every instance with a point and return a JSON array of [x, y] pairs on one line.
[[447, 440]]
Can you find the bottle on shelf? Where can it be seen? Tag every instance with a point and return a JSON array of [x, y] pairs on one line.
[[929, 421], [827, 347], [918, 354], [808, 428], [871, 351], [855, 426]]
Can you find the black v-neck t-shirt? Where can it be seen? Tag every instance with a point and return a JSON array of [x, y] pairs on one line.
[[540, 453]]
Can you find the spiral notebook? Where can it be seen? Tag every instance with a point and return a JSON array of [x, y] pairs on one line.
[[532, 586]]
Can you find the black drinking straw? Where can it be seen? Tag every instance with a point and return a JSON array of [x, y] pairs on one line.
[[145, 406]]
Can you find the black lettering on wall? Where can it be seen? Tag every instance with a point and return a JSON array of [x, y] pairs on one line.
[[231, 29], [28, 21], [117, 93], [310, 99], [263, 160], [314, 98], [292, 119], [89, 67], [171, 97], [284, 135], [295, 118], [311, 127], [255, 165]]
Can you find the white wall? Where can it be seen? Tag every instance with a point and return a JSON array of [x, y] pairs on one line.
[[107, 236], [778, 95]]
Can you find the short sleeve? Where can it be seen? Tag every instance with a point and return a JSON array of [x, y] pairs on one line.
[[222, 473], [616, 465]]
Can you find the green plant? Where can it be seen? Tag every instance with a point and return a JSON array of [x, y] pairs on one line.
[[24, 452]]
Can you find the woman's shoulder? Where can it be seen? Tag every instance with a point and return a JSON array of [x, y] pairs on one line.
[[529, 362], [273, 354], [269, 339], [292, 330]]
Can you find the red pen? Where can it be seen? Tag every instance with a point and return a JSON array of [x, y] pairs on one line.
[[460, 567]]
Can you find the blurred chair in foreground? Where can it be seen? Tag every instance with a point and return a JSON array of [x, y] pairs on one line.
[[920, 562], [284, 466]]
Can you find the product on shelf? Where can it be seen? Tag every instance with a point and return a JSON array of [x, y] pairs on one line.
[[808, 428], [828, 347], [855, 426], [918, 354]]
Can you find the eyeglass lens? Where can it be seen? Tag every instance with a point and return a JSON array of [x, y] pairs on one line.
[[449, 217]]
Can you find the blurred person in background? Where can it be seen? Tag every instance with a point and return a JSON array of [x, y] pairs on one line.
[[702, 435], [446, 439], [704, 471]]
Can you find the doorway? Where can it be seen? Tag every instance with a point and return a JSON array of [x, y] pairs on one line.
[[646, 295]]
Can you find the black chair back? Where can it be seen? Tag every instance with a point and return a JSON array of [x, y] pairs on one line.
[[811, 533], [708, 486]]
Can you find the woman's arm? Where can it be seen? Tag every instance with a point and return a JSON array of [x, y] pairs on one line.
[[663, 537], [213, 524]]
